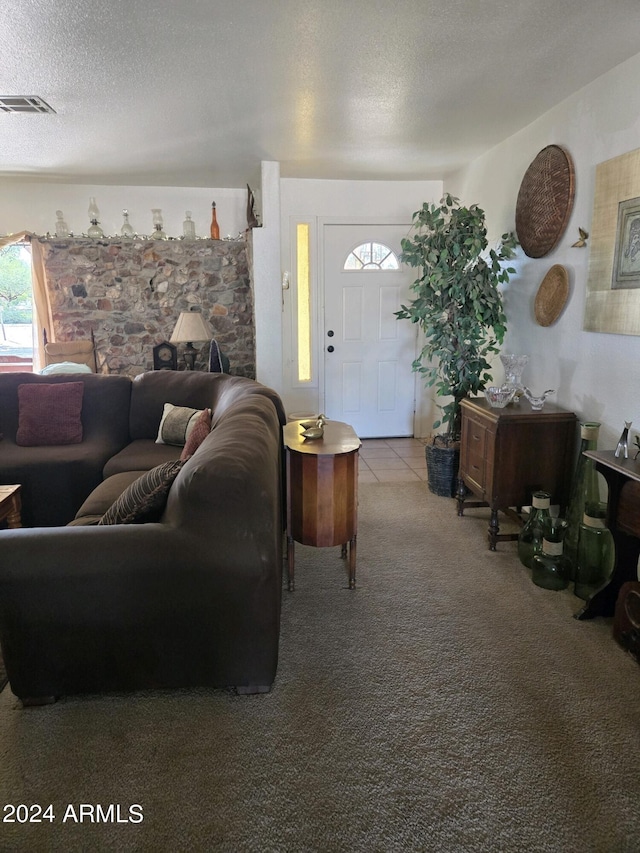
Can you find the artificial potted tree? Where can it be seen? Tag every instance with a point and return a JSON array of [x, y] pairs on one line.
[[458, 306]]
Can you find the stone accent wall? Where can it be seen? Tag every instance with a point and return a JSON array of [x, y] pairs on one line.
[[130, 293]]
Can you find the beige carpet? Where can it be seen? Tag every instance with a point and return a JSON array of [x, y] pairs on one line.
[[447, 704]]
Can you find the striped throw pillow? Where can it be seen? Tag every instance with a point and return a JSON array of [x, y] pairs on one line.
[[145, 499]]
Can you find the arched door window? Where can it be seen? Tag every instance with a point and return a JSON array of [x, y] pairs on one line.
[[371, 256]]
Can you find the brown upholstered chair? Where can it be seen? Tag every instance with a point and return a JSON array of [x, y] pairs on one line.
[[80, 352]]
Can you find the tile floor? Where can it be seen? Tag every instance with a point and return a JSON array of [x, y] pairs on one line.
[[392, 460]]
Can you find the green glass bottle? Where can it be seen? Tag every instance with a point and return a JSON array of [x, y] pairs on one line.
[[551, 568], [585, 489], [596, 555], [530, 537]]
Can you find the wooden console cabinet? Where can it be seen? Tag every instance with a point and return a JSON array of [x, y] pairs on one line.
[[623, 519], [507, 454]]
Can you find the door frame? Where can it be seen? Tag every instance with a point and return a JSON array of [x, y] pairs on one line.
[[324, 221]]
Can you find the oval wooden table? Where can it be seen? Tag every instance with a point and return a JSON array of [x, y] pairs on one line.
[[322, 491]]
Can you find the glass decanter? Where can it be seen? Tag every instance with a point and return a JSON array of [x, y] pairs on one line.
[[62, 229], [513, 367], [127, 228], [188, 227], [158, 233]]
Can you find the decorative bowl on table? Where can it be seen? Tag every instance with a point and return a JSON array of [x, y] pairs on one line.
[[499, 397], [537, 402]]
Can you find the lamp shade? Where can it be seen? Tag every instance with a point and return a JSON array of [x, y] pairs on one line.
[[191, 326]]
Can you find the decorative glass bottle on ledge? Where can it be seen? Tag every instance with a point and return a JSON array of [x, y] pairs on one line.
[[158, 233], [94, 230], [530, 537], [188, 227], [215, 228], [62, 229], [127, 229]]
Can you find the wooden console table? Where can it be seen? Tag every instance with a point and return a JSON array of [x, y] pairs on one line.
[[623, 519], [322, 491], [507, 454]]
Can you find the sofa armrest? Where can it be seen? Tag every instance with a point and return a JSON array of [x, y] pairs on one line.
[[153, 606]]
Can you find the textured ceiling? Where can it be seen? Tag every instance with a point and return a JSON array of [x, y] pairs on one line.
[[198, 92]]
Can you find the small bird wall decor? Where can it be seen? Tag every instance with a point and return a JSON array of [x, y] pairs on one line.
[[582, 242]]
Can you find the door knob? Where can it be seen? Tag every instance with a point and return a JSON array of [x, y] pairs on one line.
[[330, 333], [330, 349]]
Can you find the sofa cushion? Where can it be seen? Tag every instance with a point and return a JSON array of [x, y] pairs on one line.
[[106, 493], [197, 435], [140, 455], [103, 496], [176, 424], [49, 414], [145, 499]]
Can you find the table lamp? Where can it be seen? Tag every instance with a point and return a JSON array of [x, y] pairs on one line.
[[191, 326]]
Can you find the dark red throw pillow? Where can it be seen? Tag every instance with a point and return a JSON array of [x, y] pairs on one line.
[[49, 414], [200, 431]]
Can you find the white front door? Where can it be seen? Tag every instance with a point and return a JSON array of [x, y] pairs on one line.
[[368, 381]]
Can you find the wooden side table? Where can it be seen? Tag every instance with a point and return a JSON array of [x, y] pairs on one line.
[[507, 454], [10, 505], [322, 499]]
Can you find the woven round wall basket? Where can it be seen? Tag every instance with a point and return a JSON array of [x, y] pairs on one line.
[[552, 295], [545, 201]]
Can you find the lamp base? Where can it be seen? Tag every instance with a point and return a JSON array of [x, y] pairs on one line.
[[190, 353]]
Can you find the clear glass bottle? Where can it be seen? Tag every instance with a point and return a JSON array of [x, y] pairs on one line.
[[127, 228], [94, 230], [530, 537], [188, 227], [596, 555], [585, 489], [215, 228], [62, 229], [551, 568]]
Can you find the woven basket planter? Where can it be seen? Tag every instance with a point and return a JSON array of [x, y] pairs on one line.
[[442, 470]]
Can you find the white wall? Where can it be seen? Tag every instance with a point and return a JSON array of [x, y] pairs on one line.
[[383, 202], [596, 375], [266, 281], [28, 205]]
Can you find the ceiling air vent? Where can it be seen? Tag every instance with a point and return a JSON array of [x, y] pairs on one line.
[[24, 104]]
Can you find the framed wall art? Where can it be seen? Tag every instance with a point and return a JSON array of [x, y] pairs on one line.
[[613, 288], [626, 258]]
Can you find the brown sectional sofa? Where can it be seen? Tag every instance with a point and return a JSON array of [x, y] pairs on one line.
[[190, 600], [56, 479]]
